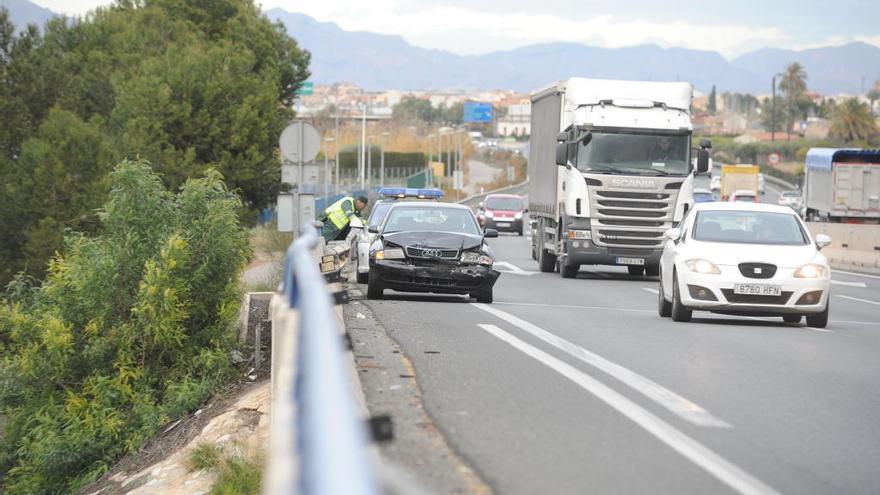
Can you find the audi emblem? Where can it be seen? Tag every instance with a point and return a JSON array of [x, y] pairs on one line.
[[432, 253]]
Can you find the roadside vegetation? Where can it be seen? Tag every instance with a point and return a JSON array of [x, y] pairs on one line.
[[236, 473]]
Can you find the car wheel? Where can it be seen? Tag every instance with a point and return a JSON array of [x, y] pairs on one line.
[[363, 278], [635, 271], [678, 311], [652, 270], [568, 271], [791, 318], [484, 297], [374, 286], [520, 231], [819, 320], [664, 307]]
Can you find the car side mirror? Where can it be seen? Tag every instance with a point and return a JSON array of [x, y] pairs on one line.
[[490, 233], [480, 206], [373, 229], [672, 234], [562, 154], [822, 241]]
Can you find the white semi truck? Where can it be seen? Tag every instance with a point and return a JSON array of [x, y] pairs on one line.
[[610, 170]]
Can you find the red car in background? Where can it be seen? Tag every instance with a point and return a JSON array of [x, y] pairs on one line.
[[502, 212]]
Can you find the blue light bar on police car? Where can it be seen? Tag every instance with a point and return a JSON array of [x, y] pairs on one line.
[[430, 193], [392, 192], [410, 192]]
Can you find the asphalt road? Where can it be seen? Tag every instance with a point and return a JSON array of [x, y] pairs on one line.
[[578, 386]]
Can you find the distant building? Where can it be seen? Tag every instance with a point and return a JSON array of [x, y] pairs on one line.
[[517, 119]]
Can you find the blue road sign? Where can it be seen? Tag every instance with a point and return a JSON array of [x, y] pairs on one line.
[[477, 112]]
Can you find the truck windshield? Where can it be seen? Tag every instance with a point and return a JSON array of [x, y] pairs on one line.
[[635, 154]]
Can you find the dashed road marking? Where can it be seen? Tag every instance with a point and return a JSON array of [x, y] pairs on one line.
[[849, 284], [866, 301], [675, 403], [722, 469], [653, 291], [513, 269]]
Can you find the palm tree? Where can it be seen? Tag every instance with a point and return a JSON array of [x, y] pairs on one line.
[[874, 94], [852, 121], [794, 85]]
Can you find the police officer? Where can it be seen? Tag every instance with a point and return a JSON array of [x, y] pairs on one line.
[[338, 215]]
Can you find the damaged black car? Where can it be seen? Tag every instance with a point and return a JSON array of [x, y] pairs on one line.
[[432, 247]]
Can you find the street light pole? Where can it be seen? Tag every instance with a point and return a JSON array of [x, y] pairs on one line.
[[363, 144], [328, 139], [382, 159], [370, 163], [773, 111], [336, 152]]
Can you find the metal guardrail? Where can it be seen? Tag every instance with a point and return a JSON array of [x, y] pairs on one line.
[[329, 454], [475, 199]]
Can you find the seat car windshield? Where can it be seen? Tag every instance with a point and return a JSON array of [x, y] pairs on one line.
[[749, 227], [635, 154], [415, 219], [509, 204]]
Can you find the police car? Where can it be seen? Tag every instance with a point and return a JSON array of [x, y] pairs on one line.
[[388, 196]]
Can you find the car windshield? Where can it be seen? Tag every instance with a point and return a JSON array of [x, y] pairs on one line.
[[378, 214], [749, 227], [512, 204], [415, 219], [745, 198], [635, 154], [791, 194]]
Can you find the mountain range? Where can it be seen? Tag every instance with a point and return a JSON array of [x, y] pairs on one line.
[[381, 61]]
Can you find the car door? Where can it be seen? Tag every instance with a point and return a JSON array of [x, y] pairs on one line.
[[670, 254]]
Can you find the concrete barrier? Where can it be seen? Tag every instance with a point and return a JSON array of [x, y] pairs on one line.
[[854, 247]]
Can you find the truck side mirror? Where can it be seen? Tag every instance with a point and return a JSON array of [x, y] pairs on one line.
[[702, 160], [562, 137], [705, 143], [562, 154]]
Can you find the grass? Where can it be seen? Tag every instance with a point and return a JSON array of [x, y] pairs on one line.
[[204, 456], [268, 242], [238, 476]]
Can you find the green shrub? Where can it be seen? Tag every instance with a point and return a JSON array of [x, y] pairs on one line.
[[204, 456], [132, 327]]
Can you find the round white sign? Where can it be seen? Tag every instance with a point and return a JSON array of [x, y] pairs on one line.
[[774, 158], [300, 142]]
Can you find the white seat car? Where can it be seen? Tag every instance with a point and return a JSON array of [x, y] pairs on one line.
[[748, 259]]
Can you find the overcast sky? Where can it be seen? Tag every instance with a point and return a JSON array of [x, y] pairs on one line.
[[731, 27]]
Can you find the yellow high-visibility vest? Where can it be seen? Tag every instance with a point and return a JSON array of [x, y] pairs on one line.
[[337, 215]]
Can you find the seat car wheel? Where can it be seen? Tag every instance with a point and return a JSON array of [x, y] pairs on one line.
[[635, 270], [664, 307], [363, 278], [819, 320], [520, 231], [484, 296], [374, 286], [791, 318], [679, 312]]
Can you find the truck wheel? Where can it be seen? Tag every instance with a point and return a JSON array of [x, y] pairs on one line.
[[819, 320], [652, 270], [567, 270], [546, 261], [635, 271], [679, 312], [374, 286]]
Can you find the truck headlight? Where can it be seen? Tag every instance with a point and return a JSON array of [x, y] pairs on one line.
[[476, 258], [705, 267], [578, 234], [810, 270]]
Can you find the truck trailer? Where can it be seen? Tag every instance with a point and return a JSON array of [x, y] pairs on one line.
[[610, 170], [738, 178], [842, 185]]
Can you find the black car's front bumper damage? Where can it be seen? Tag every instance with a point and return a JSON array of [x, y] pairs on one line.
[[433, 276]]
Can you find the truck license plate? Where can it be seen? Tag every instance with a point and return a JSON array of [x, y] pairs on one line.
[[757, 289], [630, 261]]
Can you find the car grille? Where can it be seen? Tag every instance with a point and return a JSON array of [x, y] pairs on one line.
[[430, 253], [644, 215], [757, 270], [753, 299]]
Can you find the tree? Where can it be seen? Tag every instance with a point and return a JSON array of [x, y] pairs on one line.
[[712, 107], [852, 121], [874, 94], [413, 110], [771, 119], [793, 85]]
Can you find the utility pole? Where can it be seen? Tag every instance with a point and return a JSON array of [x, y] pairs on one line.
[[382, 160], [363, 144], [336, 151], [773, 112], [370, 163]]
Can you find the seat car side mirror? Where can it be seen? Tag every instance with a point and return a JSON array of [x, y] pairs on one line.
[[822, 241], [490, 233]]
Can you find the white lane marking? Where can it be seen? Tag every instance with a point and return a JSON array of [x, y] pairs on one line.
[[854, 274], [859, 300], [849, 284], [675, 403], [572, 306], [513, 269], [822, 330], [850, 322], [714, 464], [653, 291]]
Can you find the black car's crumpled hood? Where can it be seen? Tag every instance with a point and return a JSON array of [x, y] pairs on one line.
[[441, 240]]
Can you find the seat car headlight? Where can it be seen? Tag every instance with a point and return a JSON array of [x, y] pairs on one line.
[[476, 258], [518, 215], [810, 270], [389, 254], [698, 265]]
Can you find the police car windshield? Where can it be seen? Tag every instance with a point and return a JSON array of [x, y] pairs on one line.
[[378, 214], [415, 219]]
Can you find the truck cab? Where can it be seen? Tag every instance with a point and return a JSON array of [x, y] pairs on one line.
[[611, 169]]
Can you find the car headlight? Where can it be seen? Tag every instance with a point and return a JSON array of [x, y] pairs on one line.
[[488, 214], [476, 258], [389, 254], [698, 265], [810, 270], [518, 215]]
